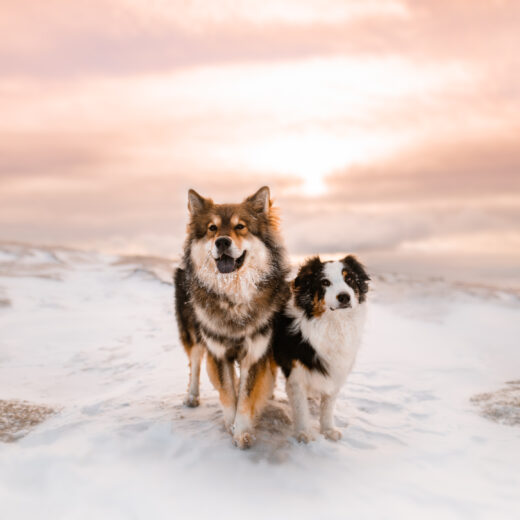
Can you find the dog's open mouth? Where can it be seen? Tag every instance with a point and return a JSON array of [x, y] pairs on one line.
[[228, 264]]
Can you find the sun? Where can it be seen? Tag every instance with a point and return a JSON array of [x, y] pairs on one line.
[[308, 156]]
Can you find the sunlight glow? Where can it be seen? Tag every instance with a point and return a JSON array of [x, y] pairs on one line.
[[309, 156], [198, 14], [302, 118]]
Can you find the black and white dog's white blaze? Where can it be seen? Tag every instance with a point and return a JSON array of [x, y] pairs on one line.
[[317, 335]]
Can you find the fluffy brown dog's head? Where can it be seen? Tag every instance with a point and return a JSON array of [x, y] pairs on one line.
[[230, 241]]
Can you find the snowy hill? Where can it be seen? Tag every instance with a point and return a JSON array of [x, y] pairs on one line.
[[88, 343]]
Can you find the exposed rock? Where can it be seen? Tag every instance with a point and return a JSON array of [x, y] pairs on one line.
[[502, 406], [18, 418]]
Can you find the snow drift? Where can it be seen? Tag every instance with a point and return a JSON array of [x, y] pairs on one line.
[[91, 338]]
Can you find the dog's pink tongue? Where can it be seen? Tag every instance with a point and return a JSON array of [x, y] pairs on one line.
[[225, 264]]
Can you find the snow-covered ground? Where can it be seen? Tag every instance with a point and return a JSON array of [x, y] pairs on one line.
[[93, 337]]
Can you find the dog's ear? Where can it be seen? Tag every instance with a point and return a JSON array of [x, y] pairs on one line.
[[312, 265], [261, 200], [358, 272], [196, 202], [355, 267]]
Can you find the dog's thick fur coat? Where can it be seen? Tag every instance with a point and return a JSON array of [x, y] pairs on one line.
[[231, 283]]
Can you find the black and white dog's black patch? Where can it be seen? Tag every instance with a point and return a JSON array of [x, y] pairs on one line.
[[317, 336]]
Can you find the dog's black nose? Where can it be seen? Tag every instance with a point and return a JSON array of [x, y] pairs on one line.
[[343, 297], [222, 244]]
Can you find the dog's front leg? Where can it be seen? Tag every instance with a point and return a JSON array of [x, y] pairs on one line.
[[297, 394], [255, 388], [221, 373], [327, 418], [195, 355]]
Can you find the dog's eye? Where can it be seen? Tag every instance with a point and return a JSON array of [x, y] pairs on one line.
[[212, 227], [240, 226], [325, 283]]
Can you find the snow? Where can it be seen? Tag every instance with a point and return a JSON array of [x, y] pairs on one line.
[[93, 337]]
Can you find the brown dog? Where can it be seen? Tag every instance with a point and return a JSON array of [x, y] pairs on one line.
[[231, 283]]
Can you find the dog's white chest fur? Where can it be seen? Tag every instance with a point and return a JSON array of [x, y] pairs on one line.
[[336, 337]]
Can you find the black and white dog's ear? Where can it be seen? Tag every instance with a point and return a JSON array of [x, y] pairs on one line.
[[261, 200], [307, 284], [307, 270], [196, 202], [358, 272]]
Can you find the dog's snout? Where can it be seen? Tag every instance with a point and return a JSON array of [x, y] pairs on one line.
[[222, 243], [343, 297]]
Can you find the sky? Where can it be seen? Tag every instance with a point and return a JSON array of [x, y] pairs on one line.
[[388, 128]]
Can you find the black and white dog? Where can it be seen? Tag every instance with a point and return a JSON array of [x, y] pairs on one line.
[[317, 335]]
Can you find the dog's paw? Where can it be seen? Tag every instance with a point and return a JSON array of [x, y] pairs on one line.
[[304, 436], [333, 434], [191, 401], [243, 440]]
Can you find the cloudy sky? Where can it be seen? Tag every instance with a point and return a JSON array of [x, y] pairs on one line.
[[390, 128]]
